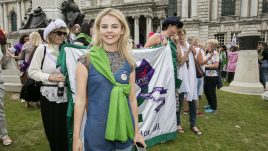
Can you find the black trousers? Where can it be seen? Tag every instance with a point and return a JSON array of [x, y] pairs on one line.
[[230, 76], [55, 124], [210, 84]]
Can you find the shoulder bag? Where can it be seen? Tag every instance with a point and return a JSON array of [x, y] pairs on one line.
[[30, 90]]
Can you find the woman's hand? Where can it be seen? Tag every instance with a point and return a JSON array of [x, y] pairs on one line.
[[77, 145], [56, 77], [140, 139]]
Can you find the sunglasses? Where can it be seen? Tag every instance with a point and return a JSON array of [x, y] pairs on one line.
[[60, 33]]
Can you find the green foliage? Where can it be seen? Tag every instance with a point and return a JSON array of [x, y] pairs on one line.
[[240, 124]]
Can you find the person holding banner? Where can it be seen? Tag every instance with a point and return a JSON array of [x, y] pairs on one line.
[[188, 89], [53, 103], [106, 88], [170, 27]]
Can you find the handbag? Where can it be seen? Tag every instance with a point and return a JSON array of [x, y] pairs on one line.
[[199, 72], [30, 90]]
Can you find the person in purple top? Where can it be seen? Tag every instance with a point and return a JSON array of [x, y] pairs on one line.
[[16, 49]]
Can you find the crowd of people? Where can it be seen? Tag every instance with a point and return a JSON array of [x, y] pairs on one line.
[[100, 79]]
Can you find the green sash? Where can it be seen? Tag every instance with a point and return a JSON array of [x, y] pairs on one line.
[[119, 123], [87, 37]]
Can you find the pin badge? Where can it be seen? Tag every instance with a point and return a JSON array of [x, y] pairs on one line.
[[124, 76]]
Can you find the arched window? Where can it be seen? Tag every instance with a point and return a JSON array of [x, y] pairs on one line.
[[265, 6], [228, 7], [13, 21]]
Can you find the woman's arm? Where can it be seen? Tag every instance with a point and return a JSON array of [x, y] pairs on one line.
[[134, 108], [80, 104], [153, 41], [11, 54]]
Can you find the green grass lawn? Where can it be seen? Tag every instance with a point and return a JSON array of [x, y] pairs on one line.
[[241, 124]]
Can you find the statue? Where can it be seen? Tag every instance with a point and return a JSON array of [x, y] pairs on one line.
[[72, 13], [35, 19]]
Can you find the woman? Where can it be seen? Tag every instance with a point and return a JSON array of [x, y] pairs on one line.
[[211, 62], [188, 89], [84, 37], [3, 128], [74, 31], [16, 49], [264, 65], [53, 107], [232, 60], [223, 62], [25, 57], [170, 27], [108, 68]]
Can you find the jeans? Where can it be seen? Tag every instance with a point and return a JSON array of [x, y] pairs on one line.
[[192, 108], [3, 129], [200, 86], [125, 149]]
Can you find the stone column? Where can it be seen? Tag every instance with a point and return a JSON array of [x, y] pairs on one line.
[[244, 8], [193, 8], [136, 30], [214, 10], [18, 15], [5, 17], [148, 25], [184, 9], [22, 4], [1, 18], [253, 8], [246, 80]]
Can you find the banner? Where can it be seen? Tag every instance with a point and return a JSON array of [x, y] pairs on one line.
[[155, 90]]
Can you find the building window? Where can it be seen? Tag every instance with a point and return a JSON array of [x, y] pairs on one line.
[[265, 6], [172, 8], [228, 7], [220, 38], [13, 21], [234, 40], [262, 37]]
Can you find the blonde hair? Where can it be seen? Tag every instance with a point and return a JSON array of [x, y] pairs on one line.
[[35, 39], [213, 42], [124, 44], [182, 31], [51, 36]]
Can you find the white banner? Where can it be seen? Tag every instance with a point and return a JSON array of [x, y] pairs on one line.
[[155, 89]]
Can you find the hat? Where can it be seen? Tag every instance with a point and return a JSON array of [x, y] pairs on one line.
[[58, 23], [173, 20]]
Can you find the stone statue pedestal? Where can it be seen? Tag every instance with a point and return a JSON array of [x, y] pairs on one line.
[[52, 8], [246, 80]]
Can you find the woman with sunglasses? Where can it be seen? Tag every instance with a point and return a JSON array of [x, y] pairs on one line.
[[53, 106]]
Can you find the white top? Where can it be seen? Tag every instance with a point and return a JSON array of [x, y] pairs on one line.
[[214, 58], [49, 67], [188, 77]]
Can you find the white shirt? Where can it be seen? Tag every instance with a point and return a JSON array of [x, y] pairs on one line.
[[49, 67]]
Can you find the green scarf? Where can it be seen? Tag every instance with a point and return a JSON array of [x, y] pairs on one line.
[[119, 123], [87, 37]]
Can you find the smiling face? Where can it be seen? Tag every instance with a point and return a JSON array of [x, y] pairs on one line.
[[110, 32]]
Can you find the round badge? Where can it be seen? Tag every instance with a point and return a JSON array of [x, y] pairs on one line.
[[124, 76]]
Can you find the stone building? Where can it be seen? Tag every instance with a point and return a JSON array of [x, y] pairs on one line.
[[218, 19], [12, 13], [203, 18]]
